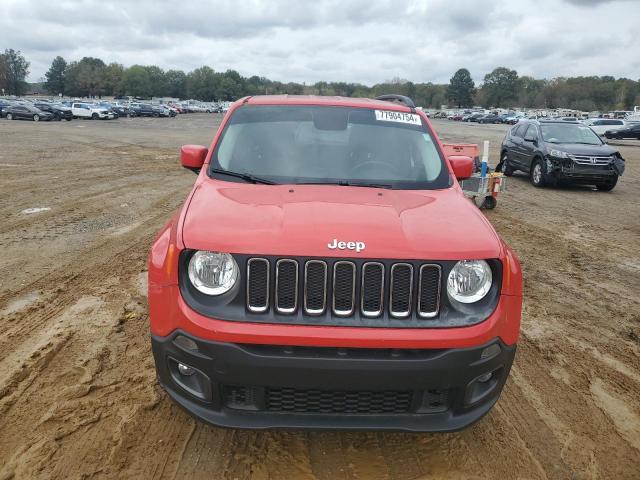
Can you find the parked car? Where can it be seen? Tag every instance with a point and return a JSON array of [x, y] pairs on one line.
[[144, 110], [90, 111], [4, 105], [489, 118], [352, 286], [59, 111], [26, 111], [555, 150], [473, 117], [629, 131], [601, 125]]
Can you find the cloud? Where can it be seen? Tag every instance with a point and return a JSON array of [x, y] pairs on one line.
[[355, 41]]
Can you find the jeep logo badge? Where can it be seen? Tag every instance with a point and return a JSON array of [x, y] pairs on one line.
[[357, 246]]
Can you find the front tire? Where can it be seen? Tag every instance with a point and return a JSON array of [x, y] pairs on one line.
[[94, 116], [607, 186], [36, 118], [507, 169], [9, 116], [537, 175]]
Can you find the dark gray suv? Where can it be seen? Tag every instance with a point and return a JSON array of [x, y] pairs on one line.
[[553, 152]]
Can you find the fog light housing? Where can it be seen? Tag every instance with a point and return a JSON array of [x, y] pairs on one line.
[[185, 370], [190, 379]]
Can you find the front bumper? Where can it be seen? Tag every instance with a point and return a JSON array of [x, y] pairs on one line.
[[567, 169], [268, 386]]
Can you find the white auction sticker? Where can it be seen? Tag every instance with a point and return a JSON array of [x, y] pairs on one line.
[[402, 117]]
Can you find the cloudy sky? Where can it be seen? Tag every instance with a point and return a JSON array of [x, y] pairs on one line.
[[364, 41]]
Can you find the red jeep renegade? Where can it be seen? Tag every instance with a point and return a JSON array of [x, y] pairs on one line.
[[326, 271]]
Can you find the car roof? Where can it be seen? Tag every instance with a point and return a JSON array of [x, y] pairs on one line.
[[324, 101]]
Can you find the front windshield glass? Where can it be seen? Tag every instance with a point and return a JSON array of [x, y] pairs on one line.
[[333, 145], [568, 133]]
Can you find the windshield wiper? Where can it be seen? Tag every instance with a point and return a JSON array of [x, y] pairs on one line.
[[247, 177], [345, 183]]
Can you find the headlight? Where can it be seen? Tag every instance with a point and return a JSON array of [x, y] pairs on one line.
[[558, 153], [469, 281], [213, 273]]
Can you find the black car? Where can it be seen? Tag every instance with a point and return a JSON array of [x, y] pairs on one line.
[[473, 117], [58, 111], [489, 118], [144, 110], [26, 112], [558, 151], [630, 131]]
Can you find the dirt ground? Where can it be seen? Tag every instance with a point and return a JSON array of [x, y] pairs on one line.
[[78, 396]]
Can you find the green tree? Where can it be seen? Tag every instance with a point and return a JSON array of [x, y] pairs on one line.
[[461, 88], [55, 76], [86, 77], [136, 82], [14, 70], [501, 87], [157, 80], [202, 84], [113, 74], [176, 83]]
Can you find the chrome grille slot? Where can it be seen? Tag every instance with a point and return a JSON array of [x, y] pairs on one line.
[[315, 287], [429, 290], [372, 292], [344, 288], [258, 285], [401, 290], [286, 290], [590, 160]]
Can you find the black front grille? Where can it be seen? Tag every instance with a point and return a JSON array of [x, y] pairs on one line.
[[344, 288], [338, 401]]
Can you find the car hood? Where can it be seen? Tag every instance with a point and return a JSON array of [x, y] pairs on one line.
[[302, 220], [580, 149]]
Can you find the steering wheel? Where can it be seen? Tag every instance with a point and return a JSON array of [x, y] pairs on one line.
[[372, 163]]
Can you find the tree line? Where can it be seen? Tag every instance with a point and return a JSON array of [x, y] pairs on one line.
[[503, 87]]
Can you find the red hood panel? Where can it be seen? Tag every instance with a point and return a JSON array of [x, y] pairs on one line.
[[301, 220]]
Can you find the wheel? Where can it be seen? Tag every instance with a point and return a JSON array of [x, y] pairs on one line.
[[36, 118], [537, 174], [69, 119], [94, 116], [489, 203], [506, 168], [607, 186], [9, 116], [58, 118]]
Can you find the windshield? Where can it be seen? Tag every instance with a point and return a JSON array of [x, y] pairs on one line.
[[332, 145], [568, 133]]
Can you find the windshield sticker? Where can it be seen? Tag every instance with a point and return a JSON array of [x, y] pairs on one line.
[[401, 117]]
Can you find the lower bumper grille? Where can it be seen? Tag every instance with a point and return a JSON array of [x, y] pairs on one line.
[[336, 401]]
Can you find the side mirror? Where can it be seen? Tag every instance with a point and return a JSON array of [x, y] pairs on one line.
[[462, 166], [192, 157]]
